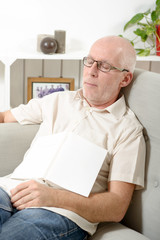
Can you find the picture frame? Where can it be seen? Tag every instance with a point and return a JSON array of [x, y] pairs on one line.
[[38, 87]]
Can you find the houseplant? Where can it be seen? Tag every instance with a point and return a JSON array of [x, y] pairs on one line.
[[147, 30]]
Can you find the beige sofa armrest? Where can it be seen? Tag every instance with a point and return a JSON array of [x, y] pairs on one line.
[[15, 139]]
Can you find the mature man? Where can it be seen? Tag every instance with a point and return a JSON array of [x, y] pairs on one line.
[[98, 113]]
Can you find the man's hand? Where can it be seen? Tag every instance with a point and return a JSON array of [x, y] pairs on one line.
[[32, 194]]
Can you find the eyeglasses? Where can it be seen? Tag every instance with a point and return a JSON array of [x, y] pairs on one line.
[[103, 66]]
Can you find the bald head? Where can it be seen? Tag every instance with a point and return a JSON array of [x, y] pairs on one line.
[[117, 49]]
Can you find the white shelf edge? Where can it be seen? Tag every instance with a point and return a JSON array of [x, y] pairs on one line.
[[150, 58], [70, 55], [77, 55]]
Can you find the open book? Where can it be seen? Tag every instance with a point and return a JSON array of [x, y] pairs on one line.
[[64, 159]]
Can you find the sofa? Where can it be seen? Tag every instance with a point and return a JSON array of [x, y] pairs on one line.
[[142, 220]]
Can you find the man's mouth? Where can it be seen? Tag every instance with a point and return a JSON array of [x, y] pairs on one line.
[[90, 84]]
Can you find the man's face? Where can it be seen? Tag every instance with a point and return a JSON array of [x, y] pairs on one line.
[[99, 88]]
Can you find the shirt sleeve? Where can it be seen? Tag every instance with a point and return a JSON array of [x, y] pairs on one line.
[[128, 162], [30, 113]]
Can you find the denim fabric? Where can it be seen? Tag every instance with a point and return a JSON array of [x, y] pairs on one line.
[[35, 223], [6, 209]]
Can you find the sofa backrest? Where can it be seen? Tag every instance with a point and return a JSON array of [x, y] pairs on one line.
[[143, 97]]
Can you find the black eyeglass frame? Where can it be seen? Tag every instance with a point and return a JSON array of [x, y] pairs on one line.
[[99, 64]]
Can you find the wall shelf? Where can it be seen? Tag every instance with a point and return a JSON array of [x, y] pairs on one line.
[[69, 55]]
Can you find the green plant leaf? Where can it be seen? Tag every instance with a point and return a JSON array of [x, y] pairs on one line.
[[134, 20], [157, 8], [158, 11], [154, 16], [158, 3], [150, 30], [142, 24], [143, 52], [141, 33]]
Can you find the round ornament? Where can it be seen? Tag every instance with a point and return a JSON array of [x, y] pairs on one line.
[[48, 45]]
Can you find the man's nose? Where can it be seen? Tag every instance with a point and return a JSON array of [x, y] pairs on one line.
[[94, 70]]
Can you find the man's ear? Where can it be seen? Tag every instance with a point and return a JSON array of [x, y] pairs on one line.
[[127, 79]]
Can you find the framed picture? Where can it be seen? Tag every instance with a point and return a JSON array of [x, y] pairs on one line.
[[39, 87]]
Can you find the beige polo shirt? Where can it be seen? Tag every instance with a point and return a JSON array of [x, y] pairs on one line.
[[115, 128]]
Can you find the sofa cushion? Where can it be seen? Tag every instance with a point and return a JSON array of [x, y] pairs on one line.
[[116, 231], [11, 151]]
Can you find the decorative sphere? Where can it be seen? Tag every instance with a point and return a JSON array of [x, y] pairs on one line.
[[48, 45]]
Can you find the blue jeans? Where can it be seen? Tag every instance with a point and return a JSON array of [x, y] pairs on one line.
[[35, 223]]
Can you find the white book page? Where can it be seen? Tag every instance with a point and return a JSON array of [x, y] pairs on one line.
[[38, 158], [77, 165]]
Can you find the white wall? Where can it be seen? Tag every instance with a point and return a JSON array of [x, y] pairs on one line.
[[1, 85], [83, 20]]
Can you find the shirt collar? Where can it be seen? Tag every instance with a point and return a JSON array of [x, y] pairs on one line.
[[79, 94], [117, 109]]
